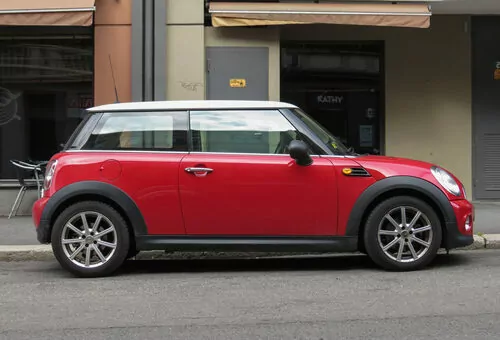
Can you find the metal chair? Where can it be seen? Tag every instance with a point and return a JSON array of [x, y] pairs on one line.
[[26, 171]]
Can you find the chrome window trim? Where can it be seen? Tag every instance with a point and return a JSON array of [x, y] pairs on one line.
[[124, 151], [200, 153]]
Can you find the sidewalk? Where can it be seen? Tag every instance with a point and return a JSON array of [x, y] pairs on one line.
[[17, 231]]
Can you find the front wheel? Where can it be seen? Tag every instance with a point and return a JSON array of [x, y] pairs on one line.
[[402, 233], [90, 239]]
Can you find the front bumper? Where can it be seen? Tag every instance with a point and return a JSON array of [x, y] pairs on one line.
[[460, 233]]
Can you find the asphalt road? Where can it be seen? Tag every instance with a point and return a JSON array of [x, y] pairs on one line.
[[341, 297]]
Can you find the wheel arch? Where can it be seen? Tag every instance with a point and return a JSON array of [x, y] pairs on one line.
[[95, 191], [399, 186]]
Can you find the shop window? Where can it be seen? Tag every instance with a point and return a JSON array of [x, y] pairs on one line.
[[249, 131], [45, 87]]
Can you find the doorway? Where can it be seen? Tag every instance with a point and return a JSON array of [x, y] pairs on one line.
[[486, 107], [228, 80], [341, 85]]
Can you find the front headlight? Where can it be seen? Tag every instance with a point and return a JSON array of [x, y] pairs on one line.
[[445, 179]]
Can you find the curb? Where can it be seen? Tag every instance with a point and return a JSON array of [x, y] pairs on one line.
[[492, 241], [44, 252], [26, 253]]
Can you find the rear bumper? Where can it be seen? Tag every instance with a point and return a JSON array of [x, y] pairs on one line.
[[42, 226], [460, 233], [43, 232]]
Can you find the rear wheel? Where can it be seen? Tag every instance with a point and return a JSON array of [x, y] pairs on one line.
[[402, 233], [90, 239]]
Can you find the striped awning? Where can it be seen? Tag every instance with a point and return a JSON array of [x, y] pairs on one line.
[[46, 12], [368, 14]]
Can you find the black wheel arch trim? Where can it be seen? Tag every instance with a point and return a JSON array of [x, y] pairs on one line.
[[118, 196], [385, 185]]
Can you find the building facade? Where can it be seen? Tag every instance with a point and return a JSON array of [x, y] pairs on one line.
[[407, 84], [56, 59]]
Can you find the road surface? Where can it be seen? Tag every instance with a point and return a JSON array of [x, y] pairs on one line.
[[340, 297]]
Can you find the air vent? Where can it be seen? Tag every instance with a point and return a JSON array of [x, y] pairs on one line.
[[357, 172]]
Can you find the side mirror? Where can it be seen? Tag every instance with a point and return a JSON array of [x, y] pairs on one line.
[[299, 151]]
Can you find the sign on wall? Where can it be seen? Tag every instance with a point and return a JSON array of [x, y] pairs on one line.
[[366, 136], [238, 83], [332, 101]]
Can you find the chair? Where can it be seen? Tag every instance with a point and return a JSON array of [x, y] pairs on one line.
[[26, 171]]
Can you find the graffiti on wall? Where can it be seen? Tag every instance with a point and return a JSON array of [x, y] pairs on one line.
[[8, 106]]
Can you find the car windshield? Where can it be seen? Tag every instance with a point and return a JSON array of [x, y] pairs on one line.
[[332, 142]]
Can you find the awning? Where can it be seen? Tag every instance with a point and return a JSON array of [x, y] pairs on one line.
[[46, 12], [368, 14]]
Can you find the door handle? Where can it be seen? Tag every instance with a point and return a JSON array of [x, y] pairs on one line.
[[198, 170]]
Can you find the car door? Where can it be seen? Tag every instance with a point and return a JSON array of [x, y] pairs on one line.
[[239, 179]]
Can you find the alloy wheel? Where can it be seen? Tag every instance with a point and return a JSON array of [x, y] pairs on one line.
[[405, 234], [89, 239]]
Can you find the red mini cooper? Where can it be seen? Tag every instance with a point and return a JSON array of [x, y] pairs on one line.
[[237, 176]]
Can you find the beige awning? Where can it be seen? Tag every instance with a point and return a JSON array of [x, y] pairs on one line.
[[46, 12], [368, 14]]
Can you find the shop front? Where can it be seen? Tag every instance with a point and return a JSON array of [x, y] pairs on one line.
[[391, 79], [55, 61]]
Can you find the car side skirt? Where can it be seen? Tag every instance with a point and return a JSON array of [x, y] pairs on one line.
[[247, 243]]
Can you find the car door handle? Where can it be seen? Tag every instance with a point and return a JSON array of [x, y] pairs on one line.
[[196, 170]]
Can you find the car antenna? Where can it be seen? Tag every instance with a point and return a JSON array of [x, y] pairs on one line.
[[113, 75]]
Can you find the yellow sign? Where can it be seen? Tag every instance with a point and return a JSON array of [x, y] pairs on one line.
[[238, 82]]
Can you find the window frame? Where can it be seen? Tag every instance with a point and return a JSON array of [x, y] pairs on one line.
[[308, 137], [315, 144]]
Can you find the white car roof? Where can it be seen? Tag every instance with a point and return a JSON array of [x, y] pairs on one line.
[[192, 105]]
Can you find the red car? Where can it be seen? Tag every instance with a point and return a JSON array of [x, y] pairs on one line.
[[237, 176]]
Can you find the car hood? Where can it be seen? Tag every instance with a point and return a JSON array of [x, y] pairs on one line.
[[387, 166]]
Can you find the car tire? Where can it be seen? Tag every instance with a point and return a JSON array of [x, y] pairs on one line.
[[107, 246], [395, 248]]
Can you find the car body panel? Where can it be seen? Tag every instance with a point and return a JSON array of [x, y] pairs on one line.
[[383, 167], [349, 189], [150, 179], [258, 195]]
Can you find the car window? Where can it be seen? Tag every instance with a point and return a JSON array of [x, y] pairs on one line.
[[241, 131], [332, 142], [162, 131], [77, 138]]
